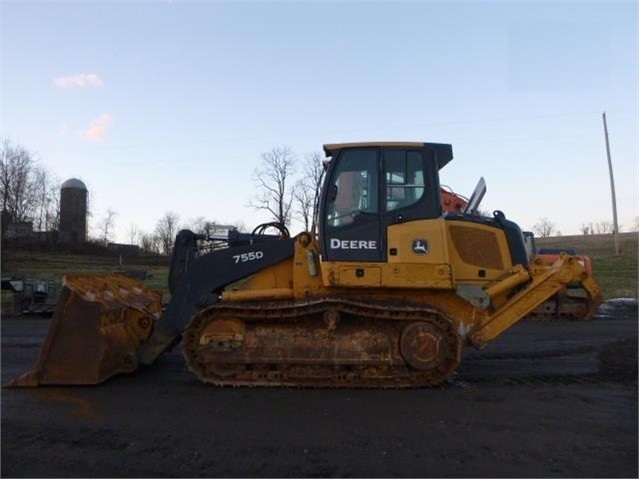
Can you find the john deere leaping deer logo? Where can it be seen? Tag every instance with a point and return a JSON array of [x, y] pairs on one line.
[[420, 246]]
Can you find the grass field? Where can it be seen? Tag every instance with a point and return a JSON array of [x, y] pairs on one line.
[[617, 275]]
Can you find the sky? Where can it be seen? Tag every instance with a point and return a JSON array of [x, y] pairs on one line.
[[168, 106]]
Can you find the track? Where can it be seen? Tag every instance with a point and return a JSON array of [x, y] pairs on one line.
[[328, 343]]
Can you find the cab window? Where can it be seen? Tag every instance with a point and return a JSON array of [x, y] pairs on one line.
[[354, 187], [404, 178]]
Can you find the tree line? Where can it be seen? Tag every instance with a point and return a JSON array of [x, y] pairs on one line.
[[545, 228], [29, 192], [287, 187]]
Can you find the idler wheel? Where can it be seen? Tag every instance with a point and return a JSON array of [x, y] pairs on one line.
[[223, 334], [423, 346]]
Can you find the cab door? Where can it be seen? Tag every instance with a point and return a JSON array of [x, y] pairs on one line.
[[351, 207], [368, 189]]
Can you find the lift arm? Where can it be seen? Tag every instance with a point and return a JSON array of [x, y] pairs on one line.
[[546, 282]]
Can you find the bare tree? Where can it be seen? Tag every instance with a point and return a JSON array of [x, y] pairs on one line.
[[53, 208], [17, 187], [604, 227], [150, 242], [27, 191], [41, 192], [46, 205], [635, 226], [134, 234], [544, 228], [304, 205], [166, 229], [106, 225], [585, 229], [273, 178], [196, 225], [307, 191]]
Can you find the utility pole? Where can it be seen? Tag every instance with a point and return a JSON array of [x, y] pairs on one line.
[[615, 230]]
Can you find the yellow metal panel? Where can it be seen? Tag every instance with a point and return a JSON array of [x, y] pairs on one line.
[[297, 277], [258, 294], [478, 253], [307, 278], [358, 276], [411, 275], [345, 275], [401, 236], [279, 275], [477, 246], [427, 267], [396, 275]]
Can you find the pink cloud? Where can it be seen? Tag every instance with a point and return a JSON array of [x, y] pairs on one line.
[[98, 128], [82, 80]]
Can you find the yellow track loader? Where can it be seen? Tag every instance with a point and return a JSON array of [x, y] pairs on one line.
[[386, 294]]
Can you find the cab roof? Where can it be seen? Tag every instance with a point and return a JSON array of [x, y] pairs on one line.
[[443, 151]]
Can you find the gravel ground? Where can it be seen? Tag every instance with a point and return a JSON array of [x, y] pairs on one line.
[[547, 399]]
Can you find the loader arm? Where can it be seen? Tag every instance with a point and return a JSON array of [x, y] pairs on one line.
[[546, 282], [202, 278]]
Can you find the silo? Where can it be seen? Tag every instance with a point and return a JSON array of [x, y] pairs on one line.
[[73, 211]]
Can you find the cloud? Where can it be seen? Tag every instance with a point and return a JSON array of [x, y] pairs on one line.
[[98, 128], [82, 80]]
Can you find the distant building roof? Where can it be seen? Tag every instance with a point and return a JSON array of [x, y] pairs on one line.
[[73, 183]]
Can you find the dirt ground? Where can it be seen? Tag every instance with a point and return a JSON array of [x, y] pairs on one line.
[[547, 399]]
